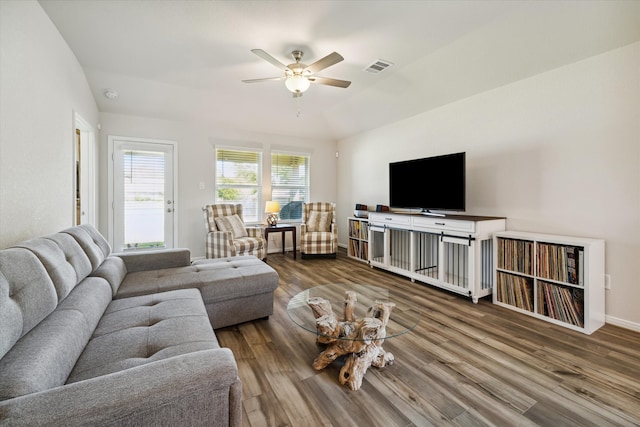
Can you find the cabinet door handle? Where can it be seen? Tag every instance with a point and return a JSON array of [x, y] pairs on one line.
[[440, 223]]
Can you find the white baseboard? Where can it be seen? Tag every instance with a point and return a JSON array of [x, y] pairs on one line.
[[622, 323]]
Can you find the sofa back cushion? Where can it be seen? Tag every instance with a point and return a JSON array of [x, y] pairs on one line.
[[35, 277], [113, 270], [27, 295], [44, 357], [63, 258], [94, 245]]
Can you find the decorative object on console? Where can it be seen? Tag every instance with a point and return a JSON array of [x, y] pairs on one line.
[[382, 208], [361, 211], [272, 208]]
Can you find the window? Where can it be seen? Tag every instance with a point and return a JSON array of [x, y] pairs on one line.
[[238, 180], [290, 183]]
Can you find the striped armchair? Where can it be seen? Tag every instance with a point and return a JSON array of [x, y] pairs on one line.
[[227, 235], [319, 231]]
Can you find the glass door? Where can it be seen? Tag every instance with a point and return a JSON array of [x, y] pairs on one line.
[[143, 194]]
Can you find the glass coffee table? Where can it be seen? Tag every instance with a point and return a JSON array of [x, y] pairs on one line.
[[352, 321]]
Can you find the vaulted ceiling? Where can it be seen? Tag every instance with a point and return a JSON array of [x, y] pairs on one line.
[[184, 60]]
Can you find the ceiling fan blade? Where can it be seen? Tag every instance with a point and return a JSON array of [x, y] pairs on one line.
[[264, 55], [329, 82], [327, 61], [264, 80]]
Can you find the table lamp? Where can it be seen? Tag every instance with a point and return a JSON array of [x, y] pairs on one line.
[[272, 208]]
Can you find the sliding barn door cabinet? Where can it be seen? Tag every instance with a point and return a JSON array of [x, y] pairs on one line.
[[453, 253]]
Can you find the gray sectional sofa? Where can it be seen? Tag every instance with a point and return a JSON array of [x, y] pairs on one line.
[[88, 337]]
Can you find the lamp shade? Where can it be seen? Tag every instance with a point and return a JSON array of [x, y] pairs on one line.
[[272, 207]]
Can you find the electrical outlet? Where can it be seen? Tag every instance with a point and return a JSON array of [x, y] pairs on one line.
[[607, 281]]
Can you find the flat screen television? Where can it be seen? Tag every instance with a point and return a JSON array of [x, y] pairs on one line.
[[430, 183]]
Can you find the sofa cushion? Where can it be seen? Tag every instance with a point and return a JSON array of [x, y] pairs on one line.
[[247, 244], [154, 259], [113, 270], [232, 224], [27, 295], [92, 242], [318, 242], [63, 258], [44, 357], [218, 279], [319, 221], [140, 330]]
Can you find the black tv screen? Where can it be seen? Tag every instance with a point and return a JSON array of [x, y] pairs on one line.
[[431, 183]]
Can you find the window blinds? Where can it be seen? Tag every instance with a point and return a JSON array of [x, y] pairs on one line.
[[290, 183], [238, 180]]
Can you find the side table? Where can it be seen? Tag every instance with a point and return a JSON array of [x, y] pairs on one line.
[[281, 228]]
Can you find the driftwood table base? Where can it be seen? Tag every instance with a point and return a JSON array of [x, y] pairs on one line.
[[359, 340]]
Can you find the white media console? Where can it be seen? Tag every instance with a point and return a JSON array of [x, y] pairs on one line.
[[454, 252]]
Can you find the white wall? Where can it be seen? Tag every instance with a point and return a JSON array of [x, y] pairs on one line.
[[42, 84], [196, 157], [556, 153]]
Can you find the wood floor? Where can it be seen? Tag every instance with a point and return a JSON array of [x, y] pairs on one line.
[[464, 364]]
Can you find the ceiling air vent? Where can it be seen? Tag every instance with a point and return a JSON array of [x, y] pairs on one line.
[[378, 66]]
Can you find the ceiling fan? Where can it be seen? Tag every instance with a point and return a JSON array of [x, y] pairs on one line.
[[298, 76]]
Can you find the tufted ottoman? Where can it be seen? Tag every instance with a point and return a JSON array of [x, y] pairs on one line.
[[234, 290]]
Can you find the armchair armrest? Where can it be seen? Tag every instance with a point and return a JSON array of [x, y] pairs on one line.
[[151, 260], [255, 232], [219, 244], [191, 389], [221, 237]]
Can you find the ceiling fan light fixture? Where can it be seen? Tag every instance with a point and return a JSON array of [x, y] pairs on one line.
[[298, 76], [297, 83]]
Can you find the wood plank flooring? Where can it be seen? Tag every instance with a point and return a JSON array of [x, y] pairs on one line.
[[464, 364]]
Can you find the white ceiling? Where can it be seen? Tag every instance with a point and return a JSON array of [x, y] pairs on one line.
[[184, 60]]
